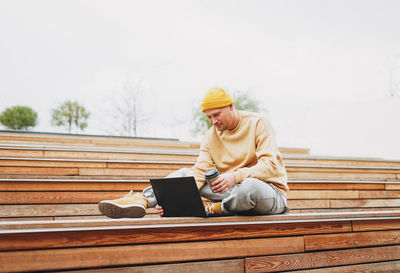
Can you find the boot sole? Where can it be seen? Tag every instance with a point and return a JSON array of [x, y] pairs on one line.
[[112, 210]]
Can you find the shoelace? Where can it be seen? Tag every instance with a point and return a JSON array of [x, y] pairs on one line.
[[209, 207]]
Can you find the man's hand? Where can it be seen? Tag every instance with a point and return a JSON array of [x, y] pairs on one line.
[[223, 183], [160, 210]]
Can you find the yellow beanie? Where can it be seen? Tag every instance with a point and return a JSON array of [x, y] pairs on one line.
[[216, 98]]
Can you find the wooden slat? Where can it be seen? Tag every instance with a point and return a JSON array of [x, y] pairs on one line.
[[118, 156], [376, 225], [297, 175], [379, 194], [322, 259], [350, 240], [127, 172], [224, 266], [323, 194], [51, 163], [307, 204], [337, 161], [136, 235], [393, 186], [365, 203], [38, 171], [94, 185], [317, 185], [270, 219], [63, 197], [55, 259], [381, 267], [48, 210], [21, 153]]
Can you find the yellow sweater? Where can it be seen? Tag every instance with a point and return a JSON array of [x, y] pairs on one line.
[[249, 150]]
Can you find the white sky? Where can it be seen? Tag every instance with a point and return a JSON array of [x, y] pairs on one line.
[[320, 67]]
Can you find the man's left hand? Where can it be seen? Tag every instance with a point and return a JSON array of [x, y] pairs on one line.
[[223, 183]]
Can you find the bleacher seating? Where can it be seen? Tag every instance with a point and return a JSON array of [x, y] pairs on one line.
[[345, 212]]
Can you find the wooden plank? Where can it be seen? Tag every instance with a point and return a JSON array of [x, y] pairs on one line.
[[63, 197], [117, 236], [322, 194], [351, 240], [51, 163], [48, 210], [321, 259], [307, 204], [379, 194], [38, 171], [370, 225], [297, 175], [344, 210], [366, 203], [95, 185], [381, 267], [148, 165], [126, 172], [393, 186], [224, 266], [21, 153], [57, 259], [335, 161], [118, 155], [341, 169], [336, 186], [270, 219]]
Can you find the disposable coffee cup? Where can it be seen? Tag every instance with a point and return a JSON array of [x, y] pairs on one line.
[[211, 175]]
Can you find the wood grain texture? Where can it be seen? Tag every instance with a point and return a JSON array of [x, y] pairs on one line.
[[351, 240], [48, 210], [323, 194], [38, 171], [40, 238], [224, 266], [370, 225], [57, 197], [336, 186], [365, 203], [54, 259], [65, 185], [321, 259], [381, 267]]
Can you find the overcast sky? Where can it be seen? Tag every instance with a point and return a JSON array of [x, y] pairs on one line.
[[328, 72]]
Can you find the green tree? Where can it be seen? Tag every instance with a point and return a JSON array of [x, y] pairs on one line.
[[241, 101], [70, 114], [19, 118]]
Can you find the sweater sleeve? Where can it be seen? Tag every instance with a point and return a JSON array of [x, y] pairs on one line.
[[266, 152], [203, 163]]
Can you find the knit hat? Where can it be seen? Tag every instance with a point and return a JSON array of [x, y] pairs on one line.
[[216, 98]]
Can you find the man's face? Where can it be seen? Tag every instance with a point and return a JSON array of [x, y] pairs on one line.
[[221, 118]]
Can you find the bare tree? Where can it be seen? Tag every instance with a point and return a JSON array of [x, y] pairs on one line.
[[127, 111], [393, 71]]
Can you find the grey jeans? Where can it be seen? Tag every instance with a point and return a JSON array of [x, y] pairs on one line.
[[250, 197]]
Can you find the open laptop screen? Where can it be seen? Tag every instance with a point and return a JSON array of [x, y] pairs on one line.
[[178, 196]]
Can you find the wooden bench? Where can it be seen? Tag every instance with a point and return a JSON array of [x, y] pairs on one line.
[[345, 216], [155, 168], [77, 198], [32, 139], [323, 242]]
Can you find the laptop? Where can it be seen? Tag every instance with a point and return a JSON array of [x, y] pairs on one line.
[[178, 196]]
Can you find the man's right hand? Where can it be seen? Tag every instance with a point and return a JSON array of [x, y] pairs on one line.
[[160, 210]]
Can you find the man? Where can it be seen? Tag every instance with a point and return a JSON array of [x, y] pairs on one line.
[[241, 145]]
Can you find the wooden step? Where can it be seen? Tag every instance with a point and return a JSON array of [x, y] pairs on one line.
[[263, 243], [21, 138]]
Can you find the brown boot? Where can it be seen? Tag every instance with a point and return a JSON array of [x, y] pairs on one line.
[[132, 205], [213, 208]]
